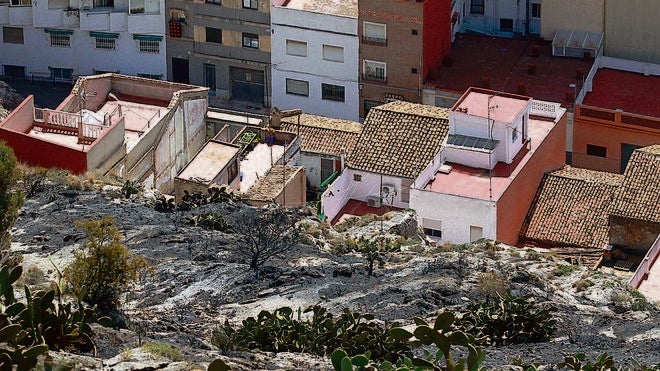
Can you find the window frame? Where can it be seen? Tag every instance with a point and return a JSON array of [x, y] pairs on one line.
[[61, 71], [251, 37], [63, 39], [99, 40], [535, 10], [212, 31], [251, 4], [357, 177], [336, 93], [149, 76], [477, 6], [375, 64], [374, 39], [328, 47], [9, 41], [596, 150], [290, 92], [206, 77], [149, 46], [506, 29], [214, 2], [293, 51]]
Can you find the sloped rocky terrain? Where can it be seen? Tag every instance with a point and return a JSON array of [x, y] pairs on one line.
[[199, 282]]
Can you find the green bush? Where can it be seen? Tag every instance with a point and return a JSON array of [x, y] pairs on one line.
[[164, 350], [11, 199], [321, 334], [103, 268], [508, 320], [564, 270]]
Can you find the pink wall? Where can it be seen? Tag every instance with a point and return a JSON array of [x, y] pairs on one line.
[[22, 117], [514, 203]]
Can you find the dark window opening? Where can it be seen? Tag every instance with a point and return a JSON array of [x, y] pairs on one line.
[[598, 151]]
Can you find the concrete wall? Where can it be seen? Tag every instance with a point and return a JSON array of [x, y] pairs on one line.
[[312, 164], [632, 30], [614, 128], [294, 194], [514, 203], [494, 10], [456, 214], [316, 30], [21, 118], [637, 235], [106, 147], [37, 55], [583, 15]]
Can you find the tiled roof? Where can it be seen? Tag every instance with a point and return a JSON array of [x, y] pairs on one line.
[[270, 186], [323, 135], [400, 139], [639, 194], [570, 208]]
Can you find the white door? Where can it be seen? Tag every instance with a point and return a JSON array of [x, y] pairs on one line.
[[535, 18], [476, 233]]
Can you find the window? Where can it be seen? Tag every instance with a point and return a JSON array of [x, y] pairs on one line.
[[368, 104], [432, 227], [250, 40], [297, 87], [357, 177], [506, 24], [12, 35], [536, 10], [149, 46], [232, 171], [298, 48], [433, 232], [327, 168], [476, 233], [213, 35], [414, 32], [333, 53], [598, 151], [106, 43], [21, 3], [209, 77], [413, 71], [61, 73], [60, 40], [332, 92], [104, 3], [374, 33], [477, 7], [150, 76], [251, 4], [374, 70], [216, 2]]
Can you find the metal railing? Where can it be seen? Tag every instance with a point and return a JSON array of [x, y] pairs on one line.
[[645, 266], [374, 40]]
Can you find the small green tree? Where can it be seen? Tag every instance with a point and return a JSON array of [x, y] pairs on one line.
[[11, 199], [374, 250], [103, 268]]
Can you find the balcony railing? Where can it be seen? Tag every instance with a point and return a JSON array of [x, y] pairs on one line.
[[381, 78], [374, 40], [67, 123]]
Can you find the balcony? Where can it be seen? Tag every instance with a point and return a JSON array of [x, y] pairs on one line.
[[146, 23], [375, 77], [374, 41], [71, 18]]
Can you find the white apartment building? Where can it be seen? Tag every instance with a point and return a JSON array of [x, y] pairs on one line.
[[497, 17], [314, 57], [63, 39]]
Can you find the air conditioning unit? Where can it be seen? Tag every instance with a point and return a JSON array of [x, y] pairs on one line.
[[388, 190], [445, 169], [373, 201]]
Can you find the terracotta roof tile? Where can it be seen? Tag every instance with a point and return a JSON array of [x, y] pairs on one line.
[[570, 208], [400, 139], [323, 135], [639, 194], [270, 186]]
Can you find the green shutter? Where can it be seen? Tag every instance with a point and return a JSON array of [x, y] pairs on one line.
[[106, 35], [148, 37], [58, 32]]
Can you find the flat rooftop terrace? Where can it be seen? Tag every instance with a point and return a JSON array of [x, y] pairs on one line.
[[505, 62], [629, 91], [474, 183], [209, 162], [346, 8]]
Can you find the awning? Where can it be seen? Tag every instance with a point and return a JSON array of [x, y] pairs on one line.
[[58, 32], [148, 37], [105, 35]]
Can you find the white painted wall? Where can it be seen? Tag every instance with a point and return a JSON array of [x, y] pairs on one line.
[[37, 55], [316, 30], [489, 22], [456, 214]]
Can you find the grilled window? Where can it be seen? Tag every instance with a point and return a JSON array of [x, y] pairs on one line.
[[60, 40], [332, 92], [375, 70], [149, 46], [105, 43]]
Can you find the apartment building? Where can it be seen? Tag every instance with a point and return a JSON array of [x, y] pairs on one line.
[[315, 57], [497, 17], [400, 42], [63, 39], [223, 45]]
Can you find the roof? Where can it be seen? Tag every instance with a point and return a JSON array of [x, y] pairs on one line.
[[571, 208], [628, 91], [399, 139], [504, 63], [346, 8], [323, 135], [270, 186], [639, 195], [208, 162], [497, 106]]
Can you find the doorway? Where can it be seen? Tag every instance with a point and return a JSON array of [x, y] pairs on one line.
[[180, 71]]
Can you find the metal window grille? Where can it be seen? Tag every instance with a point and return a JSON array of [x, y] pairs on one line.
[[106, 43], [332, 92], [251, 4], [149, 46], [374, 70], [60, 40]]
